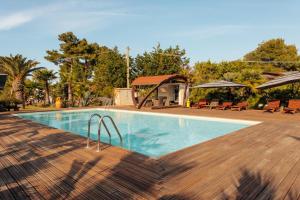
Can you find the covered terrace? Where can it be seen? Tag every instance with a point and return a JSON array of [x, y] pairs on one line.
[[168, 91]]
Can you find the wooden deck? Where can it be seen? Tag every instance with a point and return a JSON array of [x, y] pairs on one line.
[[258, 162]]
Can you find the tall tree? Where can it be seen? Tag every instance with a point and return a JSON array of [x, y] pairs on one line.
[[75, 58], [45, 76], [110, 70], [18, 68], [278, 52], [161, 61], [63, 58], [87, 67]]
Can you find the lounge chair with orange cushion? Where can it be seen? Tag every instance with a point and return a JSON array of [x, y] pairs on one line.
[[272, 106], [240, 106], [202, 103], [213, 104], [293, 106], [225, 105]]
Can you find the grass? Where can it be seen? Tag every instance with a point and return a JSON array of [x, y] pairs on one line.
[[35, 108]]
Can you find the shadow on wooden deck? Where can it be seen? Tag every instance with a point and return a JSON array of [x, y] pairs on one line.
[[53, 165], [261, 188], [32, 156]]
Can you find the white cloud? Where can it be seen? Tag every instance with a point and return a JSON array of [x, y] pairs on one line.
[[19, 18], [14, 20], [67, 15]]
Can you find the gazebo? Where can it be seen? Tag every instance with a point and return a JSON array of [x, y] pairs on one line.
[[172, 88], [3, 78]]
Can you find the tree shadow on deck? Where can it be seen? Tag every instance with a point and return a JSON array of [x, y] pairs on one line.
[[255, 185], [250, 186], [28, 154], [31, 155], [13, 125], [295, 137], [77, 171], [134, 177]]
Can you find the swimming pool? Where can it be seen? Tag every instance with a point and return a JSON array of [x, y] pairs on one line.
[[151, 134]]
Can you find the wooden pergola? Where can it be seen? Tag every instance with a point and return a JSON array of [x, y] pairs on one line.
[[157, 81]]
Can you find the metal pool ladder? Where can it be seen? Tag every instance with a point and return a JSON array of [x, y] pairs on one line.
[[101, 121]]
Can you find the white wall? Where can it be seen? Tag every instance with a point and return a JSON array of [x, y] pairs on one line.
[[181, 94], [123, 97]]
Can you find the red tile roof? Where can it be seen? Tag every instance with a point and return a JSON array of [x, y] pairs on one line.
[[151, 80]]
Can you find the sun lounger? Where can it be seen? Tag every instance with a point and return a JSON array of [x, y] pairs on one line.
[[272, 106], [240, 106], [213, 104], [293, 106], [202, 103], [224, 106]]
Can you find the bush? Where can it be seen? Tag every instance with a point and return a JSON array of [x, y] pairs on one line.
[[7, 103]]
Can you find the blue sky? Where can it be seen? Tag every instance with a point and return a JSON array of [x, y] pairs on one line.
[[216, 29]]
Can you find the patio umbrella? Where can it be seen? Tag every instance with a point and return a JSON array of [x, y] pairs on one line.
[[283, 80], [219, 84], [3, 78]]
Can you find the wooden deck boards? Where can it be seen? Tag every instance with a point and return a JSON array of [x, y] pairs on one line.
[[258, 162]]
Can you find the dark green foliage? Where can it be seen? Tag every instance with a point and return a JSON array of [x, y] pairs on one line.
[[7, 103], [236, 71], [88, 71], [34, 90], [44, 77], [278, 52], [76, 59], [161, 61], [284, 93], [18, 68], [110, 71], [249, 73]]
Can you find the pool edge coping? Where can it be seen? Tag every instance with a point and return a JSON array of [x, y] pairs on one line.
[[239, 121]]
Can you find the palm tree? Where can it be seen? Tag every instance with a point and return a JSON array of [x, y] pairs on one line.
[[18, 68], [45, 76]]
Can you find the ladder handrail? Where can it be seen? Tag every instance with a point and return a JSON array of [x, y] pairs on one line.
[[89, 129], [116, 128], [101, 121]]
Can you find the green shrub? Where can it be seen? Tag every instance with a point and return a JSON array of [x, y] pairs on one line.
[[7, 103]]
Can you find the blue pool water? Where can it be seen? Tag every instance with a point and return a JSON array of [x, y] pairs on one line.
[[147, 133]]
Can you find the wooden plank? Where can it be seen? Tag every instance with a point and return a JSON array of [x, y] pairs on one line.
[[222, 180], [32, 169], [117, 181], [38, 151], [54, 177], [16, 172], [217, 158], [5, 193], [50, 162], [12, 185]]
